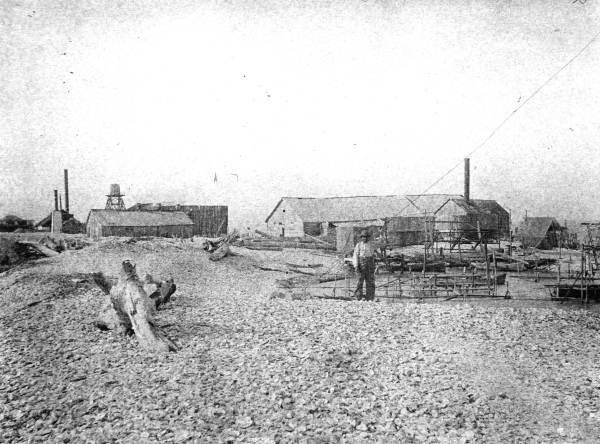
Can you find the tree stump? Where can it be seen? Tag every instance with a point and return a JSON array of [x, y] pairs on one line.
[[128, 308]]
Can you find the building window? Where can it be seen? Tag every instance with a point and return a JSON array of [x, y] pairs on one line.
[[313, 228]]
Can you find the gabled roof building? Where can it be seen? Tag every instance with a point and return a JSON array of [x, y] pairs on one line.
[[102, 223], [543, 233], [297, 216], [209, 220]]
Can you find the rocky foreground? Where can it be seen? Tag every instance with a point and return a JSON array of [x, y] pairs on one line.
[[256, 369]]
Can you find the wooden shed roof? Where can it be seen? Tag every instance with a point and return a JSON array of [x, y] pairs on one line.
[[345, 209], [118, 218], [490, 205], [533, 230], [369, 208]]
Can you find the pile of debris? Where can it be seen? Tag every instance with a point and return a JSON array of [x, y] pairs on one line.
[[16, 252], [19, 250], [13, 253], [219, 248], [304, 274], [272, 243]]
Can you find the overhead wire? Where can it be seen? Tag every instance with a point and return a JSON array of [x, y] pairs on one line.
[[512, 113]]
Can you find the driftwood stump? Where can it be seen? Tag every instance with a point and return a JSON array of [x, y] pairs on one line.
[[129, 309], [220, 252], [221, 247], [163, 292]]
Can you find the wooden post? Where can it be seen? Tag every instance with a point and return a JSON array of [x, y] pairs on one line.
[[487, 265], [425, 245], [334, 287], [495, 275], [560, 245], [582, 273], [387, 287], [485, 252]]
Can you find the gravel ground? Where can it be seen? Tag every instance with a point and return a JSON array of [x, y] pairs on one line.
[[262, 370]]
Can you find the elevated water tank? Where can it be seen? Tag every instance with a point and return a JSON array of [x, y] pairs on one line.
[[115, 189]]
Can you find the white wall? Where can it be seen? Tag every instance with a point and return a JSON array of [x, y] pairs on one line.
[[285, 218]]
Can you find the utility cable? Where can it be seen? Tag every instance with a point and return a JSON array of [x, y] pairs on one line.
[[512, 113]]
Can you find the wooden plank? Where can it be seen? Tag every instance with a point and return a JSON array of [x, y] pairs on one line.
[[318, 240]]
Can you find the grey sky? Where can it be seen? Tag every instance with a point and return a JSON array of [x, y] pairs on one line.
[[297, 98]]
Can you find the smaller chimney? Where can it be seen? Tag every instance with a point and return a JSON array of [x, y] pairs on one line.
[[60, 201], [67, 190], [467, 181], [55, 200]]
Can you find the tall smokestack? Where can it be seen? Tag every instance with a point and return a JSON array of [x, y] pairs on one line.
[[55, 200], [67, 190], [467, 180]]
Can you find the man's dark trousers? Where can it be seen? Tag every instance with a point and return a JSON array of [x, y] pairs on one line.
[[366, 273]]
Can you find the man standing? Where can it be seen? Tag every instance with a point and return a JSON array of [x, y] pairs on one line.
[[364, 264]]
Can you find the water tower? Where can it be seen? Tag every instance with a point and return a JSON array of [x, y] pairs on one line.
[[114, 199]]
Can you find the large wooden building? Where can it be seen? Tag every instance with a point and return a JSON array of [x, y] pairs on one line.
[[102, 223], [295, 216], [209, 220], [404, 217]]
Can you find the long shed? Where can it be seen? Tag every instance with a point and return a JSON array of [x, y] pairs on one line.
[[102, 223], [446, 214], [209, 220], [295, 216]]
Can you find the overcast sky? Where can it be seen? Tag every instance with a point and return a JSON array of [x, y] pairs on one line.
[[298, 98]]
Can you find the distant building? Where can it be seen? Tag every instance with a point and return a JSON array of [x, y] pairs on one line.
[[543, 233], [296, 216], [102, 223], [12, 223], [446, 214], [209, 220], [452, 216], [69, 223]]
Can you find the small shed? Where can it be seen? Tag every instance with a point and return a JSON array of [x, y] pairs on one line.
[[543, 233], [102, 223]]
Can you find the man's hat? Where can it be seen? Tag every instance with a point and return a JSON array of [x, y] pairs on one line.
[[364, 233]]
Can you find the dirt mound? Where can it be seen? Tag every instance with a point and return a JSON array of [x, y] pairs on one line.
[[139, 245], [14, 253]]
